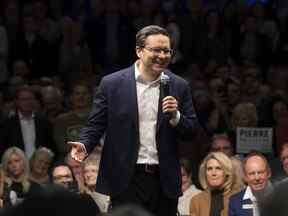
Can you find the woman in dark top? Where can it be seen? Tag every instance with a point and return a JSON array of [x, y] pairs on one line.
[[17, 185]]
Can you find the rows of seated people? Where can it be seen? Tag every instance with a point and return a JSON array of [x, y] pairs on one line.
[[226, 181]]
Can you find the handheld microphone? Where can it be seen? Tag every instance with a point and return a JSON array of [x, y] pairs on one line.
[[165, 89]]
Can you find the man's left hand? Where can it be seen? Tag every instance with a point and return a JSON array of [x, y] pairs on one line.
[[170, 105]]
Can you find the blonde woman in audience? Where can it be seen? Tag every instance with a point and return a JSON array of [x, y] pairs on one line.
[[40, 163], [188, 188], [221, 142], [217, 178], [15, 167], [90, 169]]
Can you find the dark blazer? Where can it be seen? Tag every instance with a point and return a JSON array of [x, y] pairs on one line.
[[115, 112], [236, 204], [11, 134]]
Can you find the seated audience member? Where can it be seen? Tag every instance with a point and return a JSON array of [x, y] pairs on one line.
[[279, 111], [188, 188], [52, 102], [90, 177], [256, 173], [284, 158], [243, 115], [216, 176], [67, 126], [252, 87], [15, 167], [27, 129], [14, 83], [62, 175], [279, 165], [222, 143], [40, 163], [219, 119]]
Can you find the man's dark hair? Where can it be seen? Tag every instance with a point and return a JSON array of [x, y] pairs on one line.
[[56, 165], [73, 186], [143, 33]]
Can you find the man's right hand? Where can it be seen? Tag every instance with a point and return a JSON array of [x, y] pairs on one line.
[[78, 151]]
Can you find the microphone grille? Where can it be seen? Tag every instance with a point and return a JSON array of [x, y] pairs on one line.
[[164, 79]]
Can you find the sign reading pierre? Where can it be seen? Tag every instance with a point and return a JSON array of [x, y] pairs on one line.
[[259, 139]]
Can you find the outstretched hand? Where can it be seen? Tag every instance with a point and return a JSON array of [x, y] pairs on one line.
[[78, 151]]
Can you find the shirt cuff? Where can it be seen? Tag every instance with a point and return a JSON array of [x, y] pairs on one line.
[[174, 121]]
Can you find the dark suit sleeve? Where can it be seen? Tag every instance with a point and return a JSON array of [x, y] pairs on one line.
[[97, 121]]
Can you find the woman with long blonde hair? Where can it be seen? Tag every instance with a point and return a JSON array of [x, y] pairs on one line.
[[15, 168], [217, 178]]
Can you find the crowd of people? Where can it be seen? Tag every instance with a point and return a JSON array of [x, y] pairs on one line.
[[53, 55]]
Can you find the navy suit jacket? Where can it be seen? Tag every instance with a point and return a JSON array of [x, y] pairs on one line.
[[236, 203], [115, 113]]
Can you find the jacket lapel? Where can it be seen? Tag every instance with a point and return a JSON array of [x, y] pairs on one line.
[[131, 94]]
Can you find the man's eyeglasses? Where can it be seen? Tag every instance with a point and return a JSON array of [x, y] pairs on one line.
[[158, 50]]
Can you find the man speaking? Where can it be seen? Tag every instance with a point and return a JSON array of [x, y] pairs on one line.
[[139, 162]]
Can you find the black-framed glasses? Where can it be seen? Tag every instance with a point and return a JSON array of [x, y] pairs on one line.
[[159, 50]]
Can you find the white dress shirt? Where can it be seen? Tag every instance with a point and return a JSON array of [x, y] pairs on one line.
[[148, 93], [28, 133]]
